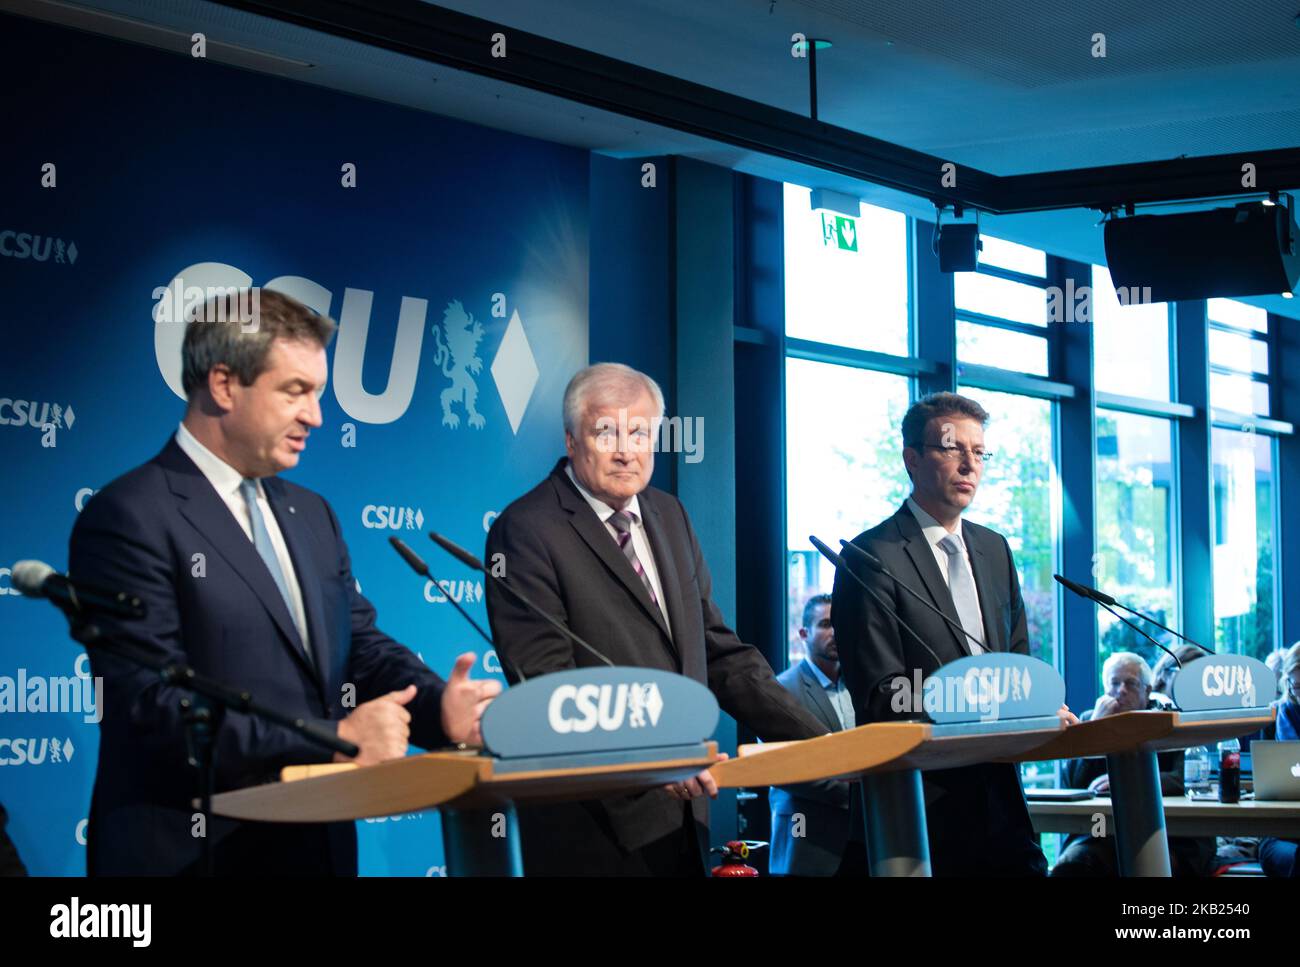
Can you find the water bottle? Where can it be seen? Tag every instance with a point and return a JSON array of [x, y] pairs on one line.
[[1229, 771], [1196, 769]]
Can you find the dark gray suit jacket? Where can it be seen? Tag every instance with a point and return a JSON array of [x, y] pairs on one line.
[[823, 808], [558, 553], [977, 815]]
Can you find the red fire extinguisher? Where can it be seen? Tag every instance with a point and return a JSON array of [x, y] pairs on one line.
[[734, 855]]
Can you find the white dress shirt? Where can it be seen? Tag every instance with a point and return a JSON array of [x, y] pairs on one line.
[[225, 479], [640, 540], [935, 532], [836, 694]]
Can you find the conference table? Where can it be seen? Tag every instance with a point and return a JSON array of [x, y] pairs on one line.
[[1183, 816]]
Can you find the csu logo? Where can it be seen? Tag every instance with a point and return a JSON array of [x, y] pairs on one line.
[[986, 686], [581, 708], [17, 752], [458, 357], [24, 245], [1227, 680], [38, 415], [376, 517], [437, 592], [513, 370]]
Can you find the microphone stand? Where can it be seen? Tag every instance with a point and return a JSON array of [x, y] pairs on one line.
[[202, 712]]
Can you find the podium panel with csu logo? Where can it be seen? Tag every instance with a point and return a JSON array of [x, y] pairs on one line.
[[577, 734]]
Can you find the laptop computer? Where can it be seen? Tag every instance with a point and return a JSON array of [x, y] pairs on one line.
[[1057, 795], [1277, 769]]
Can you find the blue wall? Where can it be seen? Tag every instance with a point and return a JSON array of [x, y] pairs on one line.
[[164, 163]]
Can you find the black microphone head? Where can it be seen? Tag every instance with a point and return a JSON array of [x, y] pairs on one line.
[[409, 556], [1078, 589], [456, 551], [1102, 596], [826, 552], [862, 554], [29, 577]]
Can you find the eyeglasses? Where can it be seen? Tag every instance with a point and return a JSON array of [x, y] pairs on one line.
[[952, 454]]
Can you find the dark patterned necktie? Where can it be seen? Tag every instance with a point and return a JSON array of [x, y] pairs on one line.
[[622, 522]]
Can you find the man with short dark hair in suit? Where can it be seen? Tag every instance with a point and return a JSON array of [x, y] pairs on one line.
[[977, 817], [246, 578], [817, 827], [618, 562]]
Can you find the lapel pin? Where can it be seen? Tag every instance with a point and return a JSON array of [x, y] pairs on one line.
[[291, 510]]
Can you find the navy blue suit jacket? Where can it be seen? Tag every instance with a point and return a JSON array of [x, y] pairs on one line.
[[163, 533]]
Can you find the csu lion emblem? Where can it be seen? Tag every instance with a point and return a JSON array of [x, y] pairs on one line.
[[458, 357]]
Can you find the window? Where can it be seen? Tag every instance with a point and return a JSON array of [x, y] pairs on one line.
[[844, 467], [1002, 254], [1004, 348], [990, 295], [1002, 309], [1130, 342], [846, 278], [1017, 498], [1243, 542], [1239, 364], [1136, 508]]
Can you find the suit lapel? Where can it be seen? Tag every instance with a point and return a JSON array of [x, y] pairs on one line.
[[205, 509], [669, 581], [922, 555], [821, 702], [309, 579], [602, 544]]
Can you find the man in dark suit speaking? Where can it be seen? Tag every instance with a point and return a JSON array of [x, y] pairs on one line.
[[245, 577], [618, 562], [976, 815]]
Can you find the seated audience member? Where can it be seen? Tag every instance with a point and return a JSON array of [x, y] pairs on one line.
[[1127, 680], [1274, 662], [1277, 857]]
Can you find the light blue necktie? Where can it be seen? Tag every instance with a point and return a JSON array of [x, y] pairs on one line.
[[262, 541], [962, 586]]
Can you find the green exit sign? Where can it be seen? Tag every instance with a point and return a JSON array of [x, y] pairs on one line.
[[840, 231]]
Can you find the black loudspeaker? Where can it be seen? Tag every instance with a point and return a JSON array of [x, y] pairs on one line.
[[959, 247], [1249, 249]]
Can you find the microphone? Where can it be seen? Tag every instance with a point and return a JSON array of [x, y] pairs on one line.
[[1105, 600], [840, 564], [36, 579], [473, 563], [422, 569], [876, 564], [1101, 597]]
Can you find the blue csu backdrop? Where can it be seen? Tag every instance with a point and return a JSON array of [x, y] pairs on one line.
[[171, 167]]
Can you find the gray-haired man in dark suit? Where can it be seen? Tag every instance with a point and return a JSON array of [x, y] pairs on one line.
[[618, 562]]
